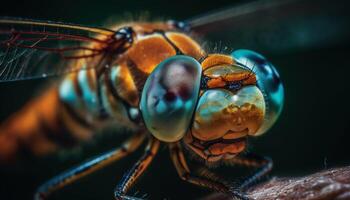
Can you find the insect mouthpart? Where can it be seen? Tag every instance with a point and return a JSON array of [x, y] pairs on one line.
[[217, 149]]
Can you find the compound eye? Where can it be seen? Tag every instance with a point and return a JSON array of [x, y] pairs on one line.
[[169, 97], [268, 81]]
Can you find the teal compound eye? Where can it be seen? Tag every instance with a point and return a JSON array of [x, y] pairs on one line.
[[169, 97], [268, 81]]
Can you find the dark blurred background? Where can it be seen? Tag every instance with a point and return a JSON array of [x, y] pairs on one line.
[[309, 45]]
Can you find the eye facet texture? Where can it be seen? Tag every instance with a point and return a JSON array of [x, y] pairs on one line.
[[268, 81]]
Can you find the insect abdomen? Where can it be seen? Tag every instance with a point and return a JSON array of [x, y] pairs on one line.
[[33, 128], [62, 117]]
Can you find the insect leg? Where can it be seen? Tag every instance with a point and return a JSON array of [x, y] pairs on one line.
[[264, 165], [88, 167], [131, 176], [184, 172]]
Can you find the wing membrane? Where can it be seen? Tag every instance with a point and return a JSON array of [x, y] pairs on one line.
[[277, 26], [32, 49]]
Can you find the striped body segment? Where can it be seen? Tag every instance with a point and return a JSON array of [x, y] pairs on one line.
[[92, 99]]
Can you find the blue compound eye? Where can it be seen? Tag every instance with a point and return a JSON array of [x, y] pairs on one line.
[[268, 82], [169, 97]]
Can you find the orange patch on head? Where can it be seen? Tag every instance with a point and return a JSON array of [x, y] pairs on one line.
[[217, 59], [221, 75], [237, 76], [216, 82], [251, 80], [247, 78]]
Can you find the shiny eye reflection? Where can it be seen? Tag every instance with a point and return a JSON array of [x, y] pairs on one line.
[[268, 81], [169, 97]]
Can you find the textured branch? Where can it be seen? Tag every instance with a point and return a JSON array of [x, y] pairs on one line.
[[332, 184]]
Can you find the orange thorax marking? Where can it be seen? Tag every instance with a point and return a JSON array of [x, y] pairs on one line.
[[148, 51]]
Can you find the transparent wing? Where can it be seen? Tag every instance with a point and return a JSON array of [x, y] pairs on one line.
[[32, 49], [277, 26]]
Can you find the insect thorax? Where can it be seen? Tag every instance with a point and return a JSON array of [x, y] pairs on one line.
[[115, 94]]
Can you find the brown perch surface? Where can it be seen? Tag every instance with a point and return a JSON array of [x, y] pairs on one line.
[[331, 184]]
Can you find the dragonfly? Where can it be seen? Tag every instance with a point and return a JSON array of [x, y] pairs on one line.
[[156, 79]]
